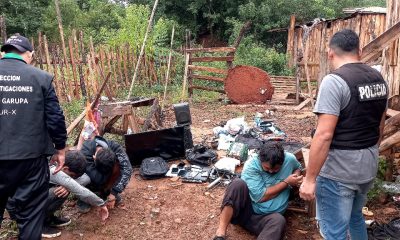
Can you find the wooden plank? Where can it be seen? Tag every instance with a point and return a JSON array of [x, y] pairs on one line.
[[236, 44], [120, 76], [168, 68], [290, 42], [380, 43], [46, 51], [213, 59], [93, 64], [311, 64], [389, 142], [108, 125], [305, 54], [392, 125], [71, 53], [65, 58], [211, 50], [113, 68], [391, 112], [133, 124], [207, 89], [209, 78], [3, 32], [185, 77], [80, 52], [40, 50], [208, 69], [92, 105], [283, 77], [125, 62], [302, 105], [153, 111]]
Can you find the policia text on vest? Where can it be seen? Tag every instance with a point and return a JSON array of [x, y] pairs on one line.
[[372, 91]]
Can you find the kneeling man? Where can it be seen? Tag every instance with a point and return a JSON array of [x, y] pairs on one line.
[[257, 200]]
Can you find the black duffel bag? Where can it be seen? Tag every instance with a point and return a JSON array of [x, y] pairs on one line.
[[153, 168], [201, 155]]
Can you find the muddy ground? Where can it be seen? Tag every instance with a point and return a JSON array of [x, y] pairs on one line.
[[164, 209]]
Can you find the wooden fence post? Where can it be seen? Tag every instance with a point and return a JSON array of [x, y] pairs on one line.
[[72, 57], [80, 49], [39, 52], [169, 67], [3, 32]]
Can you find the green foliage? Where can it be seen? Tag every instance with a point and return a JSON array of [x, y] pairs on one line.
[[215, 17], [376, 190], [382, 166], [268, 59], [97, 18], [133, 27], [23, 16]]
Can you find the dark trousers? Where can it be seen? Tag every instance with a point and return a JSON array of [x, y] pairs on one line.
[[54, 204], [27, 183], [266, 227]]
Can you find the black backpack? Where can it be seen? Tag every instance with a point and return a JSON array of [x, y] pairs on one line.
[[153, 168], [391, 230], [201, 155]]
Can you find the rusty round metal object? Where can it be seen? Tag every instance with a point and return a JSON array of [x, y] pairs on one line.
[[247, 84]]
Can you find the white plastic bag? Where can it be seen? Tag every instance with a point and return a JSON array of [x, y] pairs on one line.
[[228, 164]]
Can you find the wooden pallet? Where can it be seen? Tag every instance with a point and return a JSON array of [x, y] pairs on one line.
[[284, 84]]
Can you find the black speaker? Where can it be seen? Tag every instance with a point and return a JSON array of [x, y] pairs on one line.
[[182, 114]]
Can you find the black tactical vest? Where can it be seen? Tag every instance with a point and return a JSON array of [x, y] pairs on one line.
[[23, 131], [358, 124]]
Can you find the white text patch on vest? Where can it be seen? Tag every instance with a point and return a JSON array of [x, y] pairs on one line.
[[14, 101], [372, 91], [9, 78]]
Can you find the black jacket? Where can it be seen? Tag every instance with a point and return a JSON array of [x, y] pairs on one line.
[[97, 178], [30, 115]]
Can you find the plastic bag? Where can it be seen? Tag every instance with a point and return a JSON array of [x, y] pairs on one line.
[[236, 126], [228, 164], [88, 129]]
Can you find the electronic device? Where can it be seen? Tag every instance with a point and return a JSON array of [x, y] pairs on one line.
[[167, 143], [182, 114]]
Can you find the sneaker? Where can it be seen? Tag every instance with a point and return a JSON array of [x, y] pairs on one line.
[[219, 238], [83, 207], [59, 221], [49, 232]]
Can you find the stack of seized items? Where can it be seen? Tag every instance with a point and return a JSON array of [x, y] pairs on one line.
[[239, 141]]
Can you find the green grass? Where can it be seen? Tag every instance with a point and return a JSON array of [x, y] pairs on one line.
[[376, 190]]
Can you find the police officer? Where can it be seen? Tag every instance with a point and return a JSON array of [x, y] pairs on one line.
[[31, 120], [343, 159]]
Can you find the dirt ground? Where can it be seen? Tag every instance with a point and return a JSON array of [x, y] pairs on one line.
[[164, 209]]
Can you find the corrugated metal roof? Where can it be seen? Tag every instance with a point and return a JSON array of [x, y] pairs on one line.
[[365, 10], [353, 12]]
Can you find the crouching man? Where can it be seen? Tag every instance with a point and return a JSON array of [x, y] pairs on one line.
[[109, 170], [71, 179], [257, 200]]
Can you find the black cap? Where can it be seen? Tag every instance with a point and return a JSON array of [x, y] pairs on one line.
[[19, 42]]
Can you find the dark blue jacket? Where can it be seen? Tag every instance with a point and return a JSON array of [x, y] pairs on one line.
[[31, 118], [97, 178]]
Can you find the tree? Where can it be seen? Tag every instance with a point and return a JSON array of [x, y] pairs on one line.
[[23, 16], [217, 17]]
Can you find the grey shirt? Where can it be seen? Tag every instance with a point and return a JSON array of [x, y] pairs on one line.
[[346, 166]]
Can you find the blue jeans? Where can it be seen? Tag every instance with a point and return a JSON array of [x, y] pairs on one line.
[[339, 209]]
